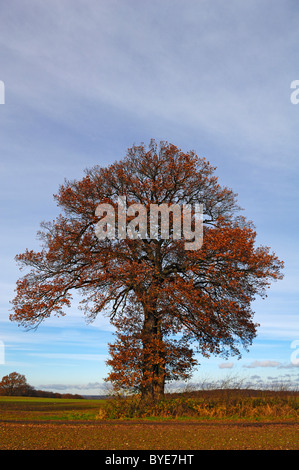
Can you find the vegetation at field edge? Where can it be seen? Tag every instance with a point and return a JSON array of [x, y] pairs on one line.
[[218, 404], [210, 420], [252, 405]]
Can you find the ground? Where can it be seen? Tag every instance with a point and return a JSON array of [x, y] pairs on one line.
[[53, 424]]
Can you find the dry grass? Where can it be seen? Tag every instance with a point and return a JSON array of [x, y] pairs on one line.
[[216, 404]]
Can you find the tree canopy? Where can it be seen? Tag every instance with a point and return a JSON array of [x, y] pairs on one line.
[[14, 384], [166, 301]]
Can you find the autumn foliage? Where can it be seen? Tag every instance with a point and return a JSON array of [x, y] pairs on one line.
[[165, 302], [172, 357], [14, 384]]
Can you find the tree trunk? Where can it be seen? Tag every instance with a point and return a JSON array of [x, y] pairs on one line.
[[153, 380]]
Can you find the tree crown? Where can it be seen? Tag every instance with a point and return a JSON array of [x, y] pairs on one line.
[[205, 295]]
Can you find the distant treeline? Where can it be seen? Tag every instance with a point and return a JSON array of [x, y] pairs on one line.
[[15, 384], [46, 394]]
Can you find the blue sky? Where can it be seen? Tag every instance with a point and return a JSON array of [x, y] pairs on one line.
[[85, 80]]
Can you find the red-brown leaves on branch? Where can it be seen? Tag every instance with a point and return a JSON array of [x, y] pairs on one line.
[[135, 362]]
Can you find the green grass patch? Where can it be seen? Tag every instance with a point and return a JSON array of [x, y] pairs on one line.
[[48, 409]]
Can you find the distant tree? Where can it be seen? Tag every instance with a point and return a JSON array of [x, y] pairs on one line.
[[203, 295], [15, 384]]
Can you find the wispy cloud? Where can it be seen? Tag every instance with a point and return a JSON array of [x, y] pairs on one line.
[[226, 365], [266, 363], [97, 388], [72, 356], [129, 57]]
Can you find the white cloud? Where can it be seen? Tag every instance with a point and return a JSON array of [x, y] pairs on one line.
[[72, 356], [266, 363], [92, 388], [191, 64], [226, 365], [290, 365]]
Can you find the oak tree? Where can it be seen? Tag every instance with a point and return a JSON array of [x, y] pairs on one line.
[[15, 384], [154, 285]]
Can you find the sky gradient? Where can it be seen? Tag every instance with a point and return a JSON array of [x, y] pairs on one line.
[[85, 80]]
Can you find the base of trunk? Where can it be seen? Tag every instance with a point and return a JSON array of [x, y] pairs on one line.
[[152, 394]]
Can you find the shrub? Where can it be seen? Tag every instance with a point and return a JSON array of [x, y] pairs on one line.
[[220, 407]]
